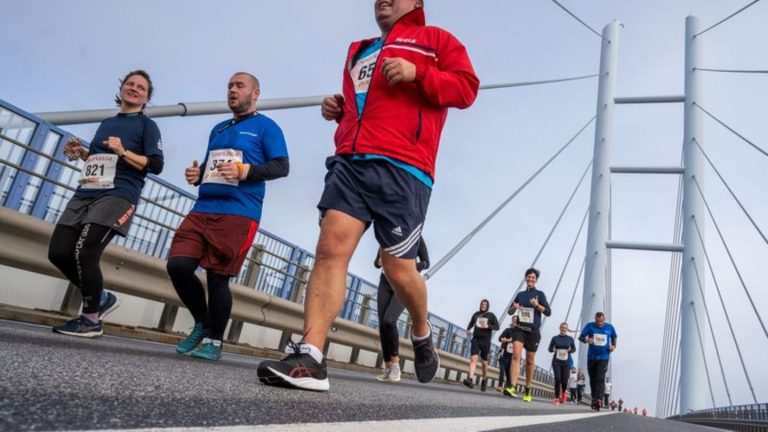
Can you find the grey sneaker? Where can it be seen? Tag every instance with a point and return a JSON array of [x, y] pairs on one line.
[[384, 374], [394, 373]]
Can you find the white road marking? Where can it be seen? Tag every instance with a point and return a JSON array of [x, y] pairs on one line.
[[454, 424]]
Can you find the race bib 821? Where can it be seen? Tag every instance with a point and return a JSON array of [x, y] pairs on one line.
[[99, 172], [525, 315]]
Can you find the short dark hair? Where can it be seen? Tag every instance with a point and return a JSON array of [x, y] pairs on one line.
[[140, 73], [599, 315], [254, 80], [534, 271]]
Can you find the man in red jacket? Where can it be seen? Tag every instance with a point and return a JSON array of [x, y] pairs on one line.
[[396, 93]]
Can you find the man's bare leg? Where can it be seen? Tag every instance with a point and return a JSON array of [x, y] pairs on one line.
[[339, 236]]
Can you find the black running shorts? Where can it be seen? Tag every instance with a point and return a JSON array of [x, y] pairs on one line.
[[375, 191], [530, 339], [480, 346]]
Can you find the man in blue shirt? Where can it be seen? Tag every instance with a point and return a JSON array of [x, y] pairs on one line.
[[601, 337], [243, 153]]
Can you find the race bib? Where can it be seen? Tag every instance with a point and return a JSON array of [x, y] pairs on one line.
[[600, 339], [510, 347], [215, 159], [482, 322], [525, 315], [561, 354], [99, 172], [363, 71]]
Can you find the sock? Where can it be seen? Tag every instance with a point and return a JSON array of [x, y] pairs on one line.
[[312, 351], [215, 342], [92, 317], [421, 338]]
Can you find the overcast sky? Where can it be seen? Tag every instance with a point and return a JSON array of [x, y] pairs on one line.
[[69, 56]]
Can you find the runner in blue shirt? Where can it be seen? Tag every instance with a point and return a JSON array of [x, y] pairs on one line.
[[601, 338]]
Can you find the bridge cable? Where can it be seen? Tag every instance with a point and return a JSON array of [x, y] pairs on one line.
[[503, 315], [749, 71], [577, 18], [532, 83], [673, 295], [725, 311], [703, 355], [725, 183], [711, 330], [728, 250], [575, 288], [732, 130], [725, 19], [567, 261], [431, 272]]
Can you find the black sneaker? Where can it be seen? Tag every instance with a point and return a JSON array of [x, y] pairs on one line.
[[81, 326], [483, 385], [468, 382], [297, 370], [109, 304], [426, 361]]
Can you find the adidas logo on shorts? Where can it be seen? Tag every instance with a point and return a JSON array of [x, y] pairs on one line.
[[398, 231]]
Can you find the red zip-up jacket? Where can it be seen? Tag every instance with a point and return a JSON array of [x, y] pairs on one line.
[[404, 121]]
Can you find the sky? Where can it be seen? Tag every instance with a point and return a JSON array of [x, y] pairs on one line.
[[69, 56]]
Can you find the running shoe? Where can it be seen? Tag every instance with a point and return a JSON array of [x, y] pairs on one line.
[[109, 302], [384, 374], [426, 361], [298, 370], [483, 384], [81, 327], [557, 401], [468, 382], [394, 373], [209, 350], [563, 398], [196, 336], [510, 391], [527, 397]]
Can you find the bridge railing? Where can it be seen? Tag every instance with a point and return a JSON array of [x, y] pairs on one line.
[[742, 418], [36, 179]]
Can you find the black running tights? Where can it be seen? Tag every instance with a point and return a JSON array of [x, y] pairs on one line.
[[214, 314], [77, 252], [597, 370], [562, 372], [389, 309]]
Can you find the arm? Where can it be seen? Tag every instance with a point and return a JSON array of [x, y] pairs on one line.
[[472, 321], [543, 306], [552, 345], [452, 82], [270, 170], [377, 260], [493, 322], [573, 346]]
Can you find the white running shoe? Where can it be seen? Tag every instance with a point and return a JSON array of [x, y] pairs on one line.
[[384, 374], [394, 373]]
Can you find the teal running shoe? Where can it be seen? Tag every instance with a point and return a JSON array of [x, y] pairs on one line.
[[196, 336]]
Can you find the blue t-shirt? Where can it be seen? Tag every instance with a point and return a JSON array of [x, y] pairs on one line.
[[604, 337], [138, 134], [560, 342], [528, 317], [253, 140], [363, 66]]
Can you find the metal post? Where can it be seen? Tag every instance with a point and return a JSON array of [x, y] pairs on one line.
[[596, 269], [693, 389]]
